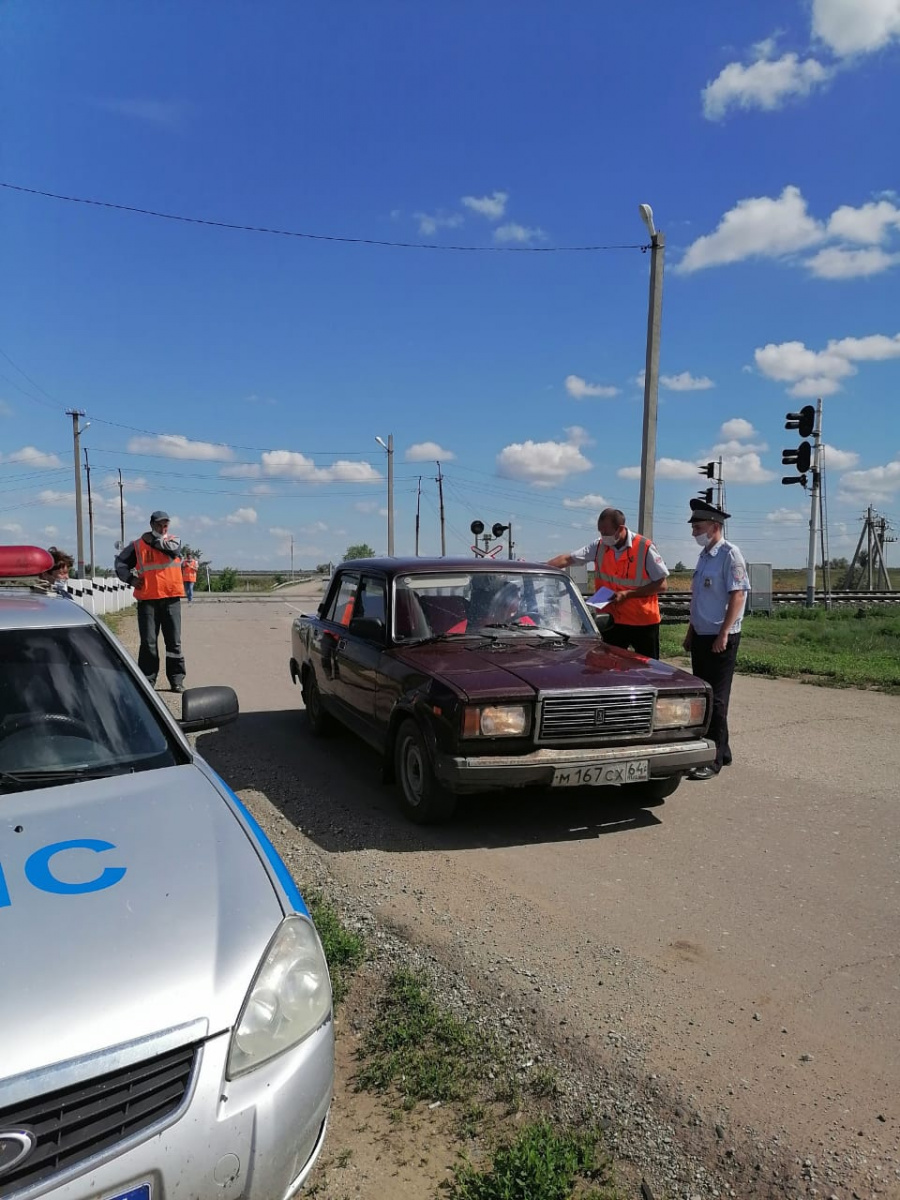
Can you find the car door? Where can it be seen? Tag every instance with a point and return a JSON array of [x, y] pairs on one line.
[[358, 658], [338, 611]]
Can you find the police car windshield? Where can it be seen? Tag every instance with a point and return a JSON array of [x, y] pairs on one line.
[[69, 708]]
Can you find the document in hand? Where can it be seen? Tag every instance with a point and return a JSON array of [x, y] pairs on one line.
[[601, 597]]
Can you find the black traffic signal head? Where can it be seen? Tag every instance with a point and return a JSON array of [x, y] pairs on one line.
[[801, 479], [707, 494], [803, 421], [801, 458], [498, 530], [709, 470], [477, 527]]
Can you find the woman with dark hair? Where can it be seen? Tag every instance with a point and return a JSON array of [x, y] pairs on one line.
[[59, 572]]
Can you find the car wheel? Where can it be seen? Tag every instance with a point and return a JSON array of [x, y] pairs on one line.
[[422, 798], [655, 791], [320, 722]]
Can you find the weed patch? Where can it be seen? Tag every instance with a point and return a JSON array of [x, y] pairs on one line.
[[344, 951]]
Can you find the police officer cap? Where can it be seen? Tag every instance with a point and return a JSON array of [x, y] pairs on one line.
[[701, 511], [158, 516]]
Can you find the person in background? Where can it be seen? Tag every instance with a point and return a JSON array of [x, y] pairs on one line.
[[152, 565], [58, 574], [718, 595], [189, 576], [630, 566]]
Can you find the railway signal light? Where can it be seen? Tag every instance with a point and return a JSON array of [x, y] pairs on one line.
[[799, 457], [709, 470], [498, 530], [477, 528], [803, 421], [707, 494]]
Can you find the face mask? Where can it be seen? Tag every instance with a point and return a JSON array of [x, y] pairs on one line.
[[608, 539], [702, 539]]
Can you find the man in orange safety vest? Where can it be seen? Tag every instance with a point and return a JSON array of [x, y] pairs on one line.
[[189, 575]]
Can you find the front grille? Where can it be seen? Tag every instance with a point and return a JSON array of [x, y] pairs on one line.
[[601, 715], [78, 1122]]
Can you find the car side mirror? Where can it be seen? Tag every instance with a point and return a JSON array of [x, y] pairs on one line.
[[370, 629], [208, 708], [602, 620]]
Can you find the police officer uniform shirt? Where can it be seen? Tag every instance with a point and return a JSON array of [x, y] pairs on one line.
[[720, 570]]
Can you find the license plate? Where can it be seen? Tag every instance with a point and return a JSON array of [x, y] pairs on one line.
[[636, 770], [136, 1193]]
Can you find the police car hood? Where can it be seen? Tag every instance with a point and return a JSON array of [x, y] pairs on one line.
[[172, 932]]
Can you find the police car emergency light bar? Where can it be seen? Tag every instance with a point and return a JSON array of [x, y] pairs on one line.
[[24, 562]]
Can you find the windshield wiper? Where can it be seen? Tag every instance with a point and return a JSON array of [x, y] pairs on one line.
[[21, 781], [445, 637], [530, 629]]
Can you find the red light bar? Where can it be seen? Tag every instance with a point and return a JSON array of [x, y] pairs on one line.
[[18, 562]]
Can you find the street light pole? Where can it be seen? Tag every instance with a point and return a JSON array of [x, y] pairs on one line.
[[651, 374], [388, 447]]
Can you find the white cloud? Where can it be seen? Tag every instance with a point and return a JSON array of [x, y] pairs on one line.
[[53, 498], [757, 227], [519, 233], [129, 483], [51, 530], [579, 388], [16, 530], [737, 428], [764, 83], [425, 451], [856, 26], [785, 516], [819, 372], [493, 206], [837, 262], [290, 464], [314, 527], [430, 223], [641, 378], [666, 468], [591, 500], [629, 472], [735, 448], [242, 516], [30, 456], [242, 471], [840, 460], [544, 464], [174, 445], [875, 484], [745, 467], [278, 532], [262, 489], [366, 506], [867, 225], [686, 382]]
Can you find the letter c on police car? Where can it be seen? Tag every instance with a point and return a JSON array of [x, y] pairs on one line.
[[39, 871]]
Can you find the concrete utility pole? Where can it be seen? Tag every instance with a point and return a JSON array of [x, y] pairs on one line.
[[510, 544], [292, 556], [75, 413], [651, 374], [814, 508], [87, 471], [440, 483], [418, 512], [388, 447], [121, 513]]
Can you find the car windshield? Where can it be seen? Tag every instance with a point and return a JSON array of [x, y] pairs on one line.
[[70, 708], [473, 602]]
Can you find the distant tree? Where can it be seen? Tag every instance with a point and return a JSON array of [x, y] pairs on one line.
[[359, 550], [189, 552], [226, 580], [838, 564], [679, 566], [323, 569]]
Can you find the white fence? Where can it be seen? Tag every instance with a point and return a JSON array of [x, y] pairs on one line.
[[101, 595]]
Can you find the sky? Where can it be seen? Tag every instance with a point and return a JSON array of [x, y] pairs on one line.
[[239, 379]]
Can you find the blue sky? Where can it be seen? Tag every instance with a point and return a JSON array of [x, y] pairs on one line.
[[239, 380]]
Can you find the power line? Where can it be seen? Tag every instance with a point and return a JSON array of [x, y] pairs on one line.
[[316, 237]]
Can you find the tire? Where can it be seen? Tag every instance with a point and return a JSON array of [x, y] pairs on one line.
[[319, 721], [422, 799], [655, 791]]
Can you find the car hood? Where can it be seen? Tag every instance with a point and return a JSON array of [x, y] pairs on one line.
[[517, 665], [173, 932]]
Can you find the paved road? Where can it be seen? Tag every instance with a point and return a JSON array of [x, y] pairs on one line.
[[739, 943]]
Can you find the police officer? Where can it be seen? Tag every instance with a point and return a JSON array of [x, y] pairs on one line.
[[718, 596], [153, 565]]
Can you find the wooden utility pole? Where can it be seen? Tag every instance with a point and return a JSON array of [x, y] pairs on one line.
[[418, 512], [121, 513], [75, 413], [87, 471], [440, 483]]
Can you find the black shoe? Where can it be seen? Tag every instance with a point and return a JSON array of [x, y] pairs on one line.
[[177, 687], [702, 773]]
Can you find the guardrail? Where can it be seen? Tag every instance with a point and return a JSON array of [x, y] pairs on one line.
[[100, 596]]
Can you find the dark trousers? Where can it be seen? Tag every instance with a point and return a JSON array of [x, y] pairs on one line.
[[718, 671], [165, 616], [642, 639]]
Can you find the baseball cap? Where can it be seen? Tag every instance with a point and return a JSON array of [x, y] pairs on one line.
[[157, 516]]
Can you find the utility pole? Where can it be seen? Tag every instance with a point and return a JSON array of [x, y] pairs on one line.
[[440, 483], [121, 513], [418, 510], [814, 508], [510, 544], [388, 447], [870, 520], [720, 487], [651, 374], [87, 471], [75, 413], [292, 556]]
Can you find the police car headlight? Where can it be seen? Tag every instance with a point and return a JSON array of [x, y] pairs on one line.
[[675, 711], [288, 1000], [496, 720]]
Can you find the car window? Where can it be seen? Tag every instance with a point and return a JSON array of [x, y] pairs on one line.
[[340, 610], [453, 605], [69, 702], [372, 603]]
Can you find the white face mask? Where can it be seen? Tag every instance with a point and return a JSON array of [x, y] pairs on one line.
[[608, 539], [703, 539]]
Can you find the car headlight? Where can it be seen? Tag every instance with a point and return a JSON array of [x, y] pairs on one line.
[[495, 720], [673, 711], [289, 998]]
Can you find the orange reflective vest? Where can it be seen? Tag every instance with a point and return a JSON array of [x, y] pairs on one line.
[[621, 574], [159, 577], [189, 570]]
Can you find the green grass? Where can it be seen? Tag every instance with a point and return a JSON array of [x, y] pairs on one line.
[[541, 1163], [841, 648], [116, 620], [417, 1047], [344, 951]]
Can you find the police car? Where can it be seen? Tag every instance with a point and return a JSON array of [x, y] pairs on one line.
[[165, 1008]]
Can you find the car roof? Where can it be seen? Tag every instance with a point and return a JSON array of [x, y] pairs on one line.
[[433, 566], [24, 607]]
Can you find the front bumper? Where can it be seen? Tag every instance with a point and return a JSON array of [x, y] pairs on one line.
[[253, 1138], [484, 773]]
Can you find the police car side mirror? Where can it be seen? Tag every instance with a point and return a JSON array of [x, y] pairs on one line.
[[208, 708]]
